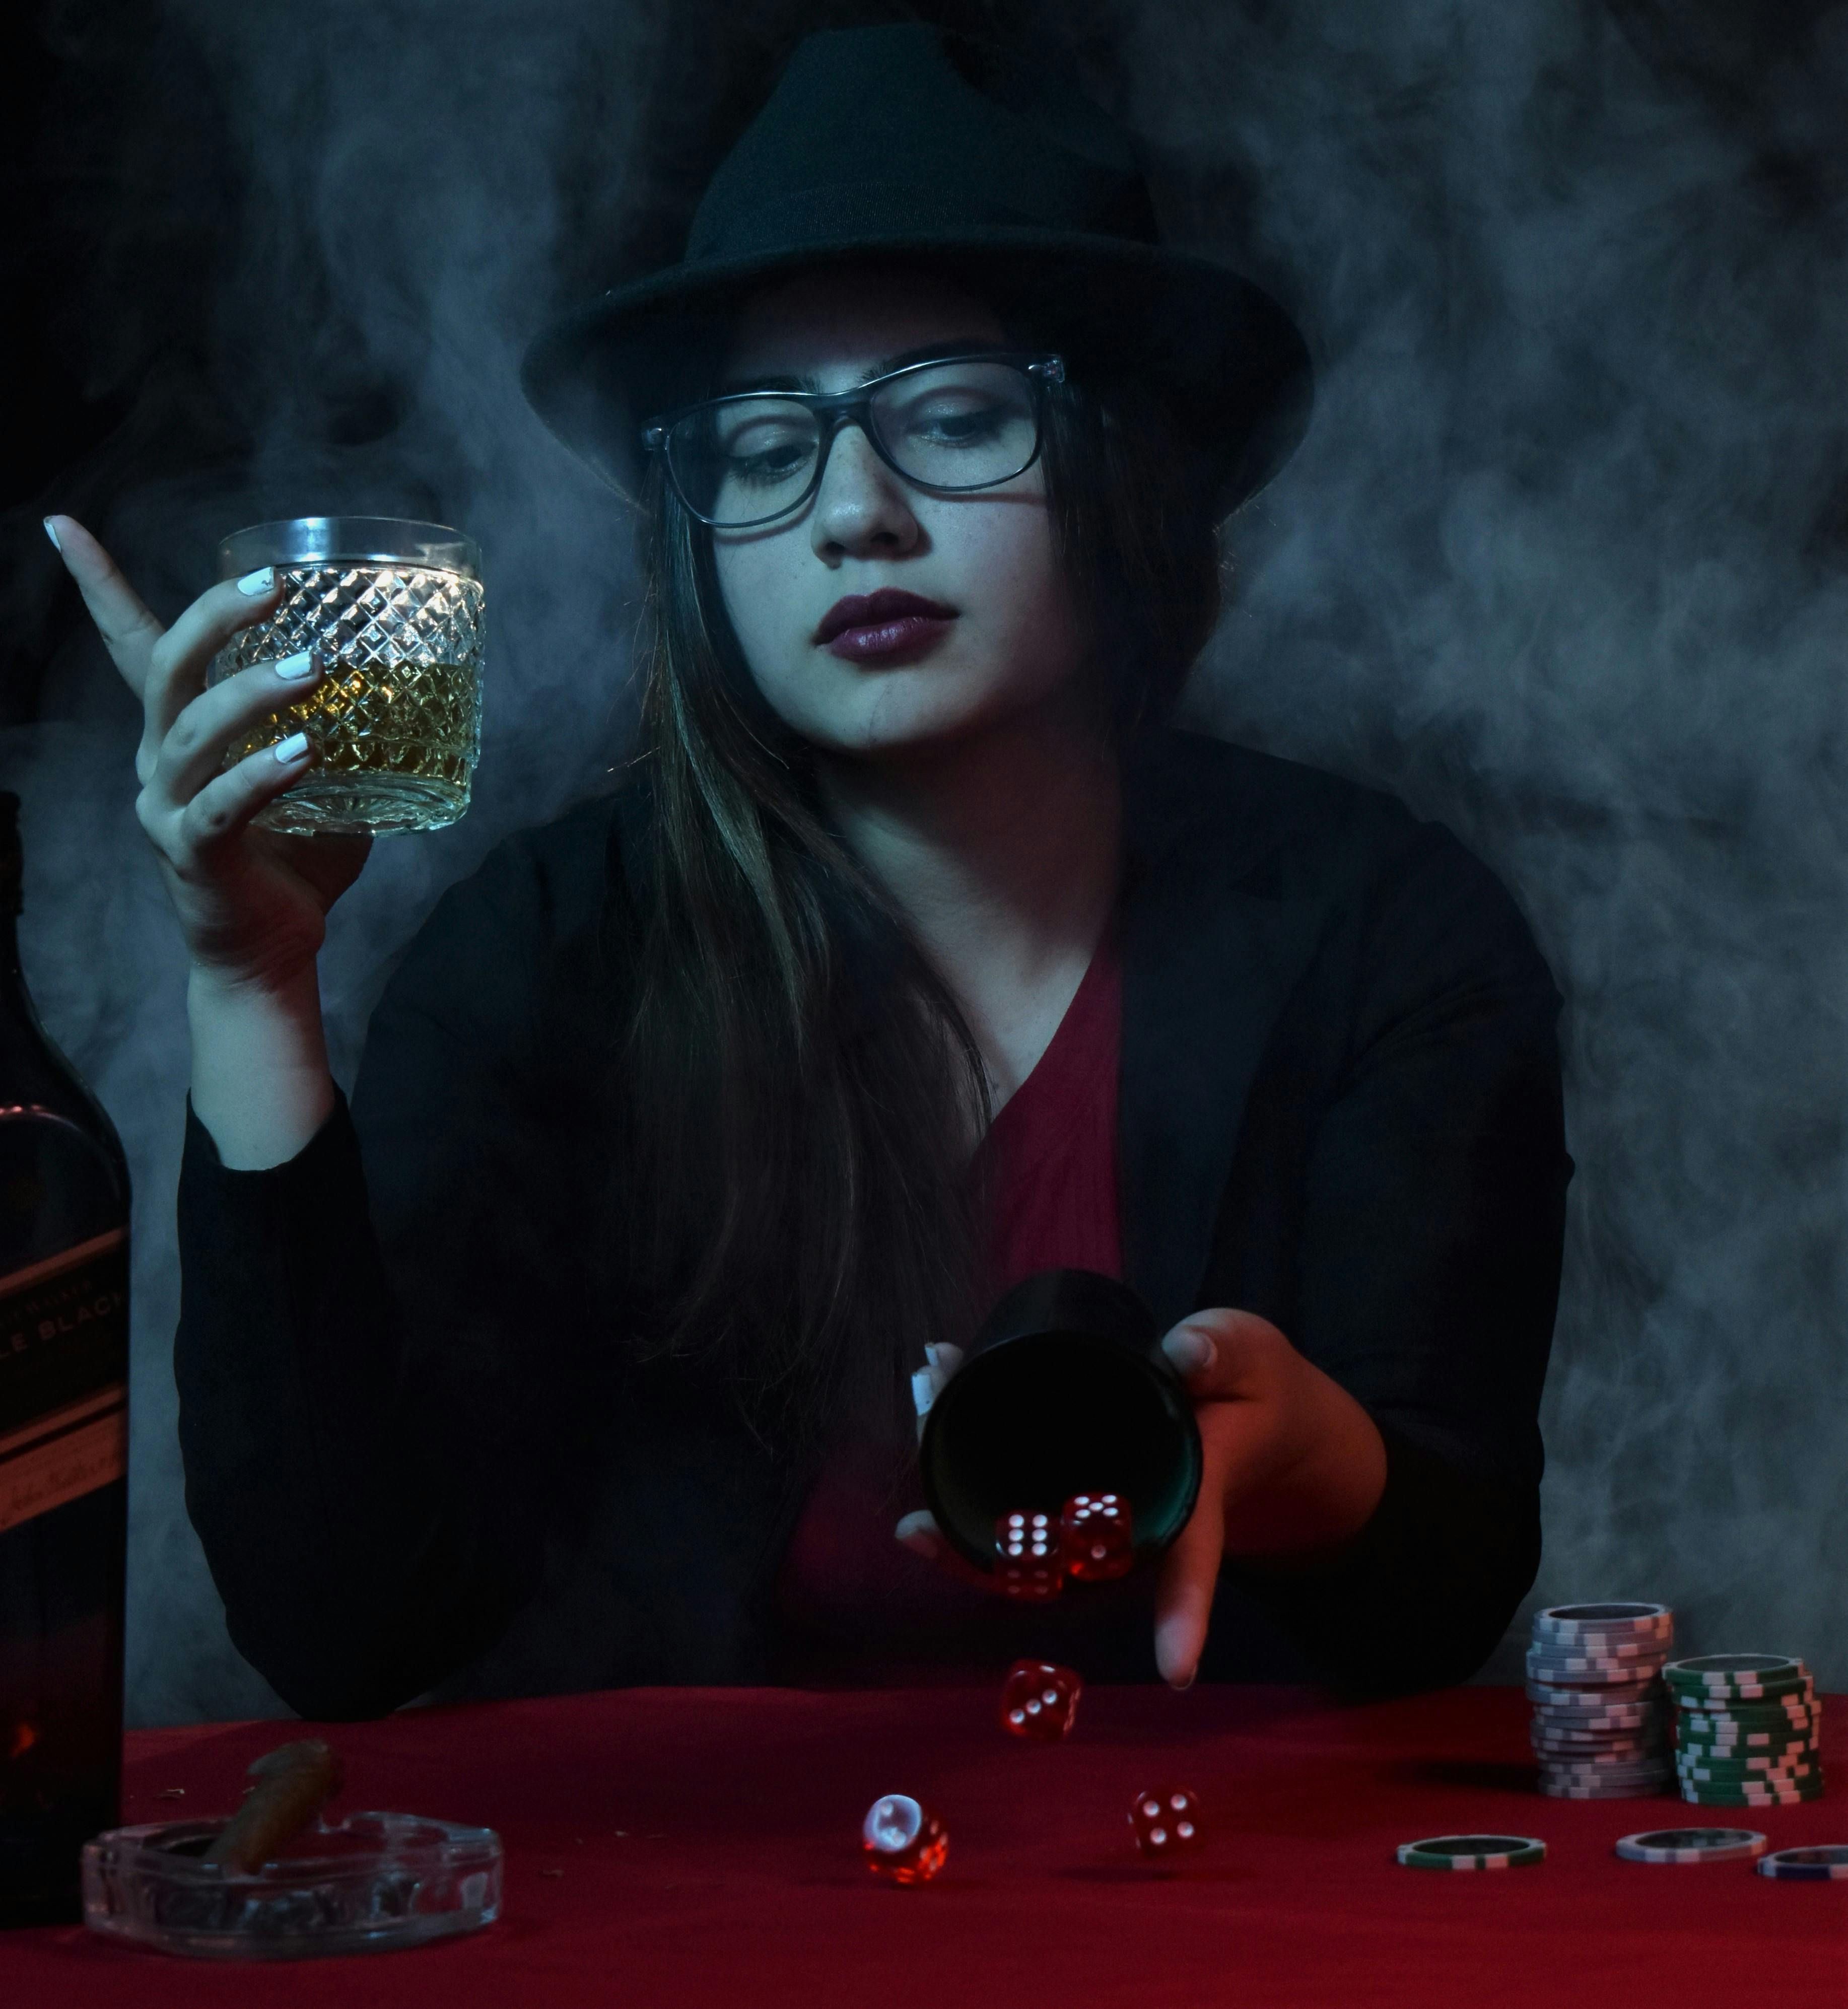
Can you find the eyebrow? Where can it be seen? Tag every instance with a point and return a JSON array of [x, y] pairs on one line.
[[928, 352]]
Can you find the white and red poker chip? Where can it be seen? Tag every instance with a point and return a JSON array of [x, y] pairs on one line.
[[1692, 1845], [1596, 1628], [1826, 1864]]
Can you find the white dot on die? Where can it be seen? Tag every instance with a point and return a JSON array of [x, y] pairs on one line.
[[1014, 1716], [1050, 1697], [1158, 1836], [1151, 1807], [1184, 1829], [893, 1822], [1032, 1708], [1178, 1802]]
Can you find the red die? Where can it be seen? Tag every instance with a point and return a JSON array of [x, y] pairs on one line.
[[1165, 1821], [902, 1840], [1026, 1558], [1040, 1700], [1096, 1537]]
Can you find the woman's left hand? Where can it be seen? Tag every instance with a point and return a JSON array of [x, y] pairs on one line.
[[1293, 1467]]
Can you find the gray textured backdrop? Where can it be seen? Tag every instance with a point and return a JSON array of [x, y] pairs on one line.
[[1565, 563]]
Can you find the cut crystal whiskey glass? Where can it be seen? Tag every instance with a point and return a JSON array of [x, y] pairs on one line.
[[395, 610]]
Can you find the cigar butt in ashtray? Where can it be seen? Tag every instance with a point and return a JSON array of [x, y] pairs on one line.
[[293, 1783]]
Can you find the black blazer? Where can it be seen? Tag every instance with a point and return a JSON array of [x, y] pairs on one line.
[[413, 1469]]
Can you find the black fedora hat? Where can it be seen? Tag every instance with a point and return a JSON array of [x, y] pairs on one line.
[[904, 141]]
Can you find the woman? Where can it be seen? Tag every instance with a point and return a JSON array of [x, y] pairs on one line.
[[912, 955]]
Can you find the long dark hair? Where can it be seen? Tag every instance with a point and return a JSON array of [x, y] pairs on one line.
[[795, 1081]]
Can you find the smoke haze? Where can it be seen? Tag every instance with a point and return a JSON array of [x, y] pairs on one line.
[[1564, 564]]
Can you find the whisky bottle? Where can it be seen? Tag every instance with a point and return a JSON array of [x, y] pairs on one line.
[[64, 1328]]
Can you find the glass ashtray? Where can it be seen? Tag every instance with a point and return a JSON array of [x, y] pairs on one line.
[[376, 1882]]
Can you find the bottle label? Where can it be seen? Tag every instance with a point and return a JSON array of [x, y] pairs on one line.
[[63, 1377]]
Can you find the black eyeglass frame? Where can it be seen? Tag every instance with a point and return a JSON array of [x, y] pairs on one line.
[[836, 409]]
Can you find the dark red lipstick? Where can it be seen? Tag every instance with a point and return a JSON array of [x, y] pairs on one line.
[[882, 626]]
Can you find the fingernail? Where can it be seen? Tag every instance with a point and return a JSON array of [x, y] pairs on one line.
[[1190, 1350], [292, 748], [1180, 1687], [260, 581], [297, 667], [52, 531], [923, 1391]]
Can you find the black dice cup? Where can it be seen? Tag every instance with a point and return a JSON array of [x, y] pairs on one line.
[[1064, 1390]]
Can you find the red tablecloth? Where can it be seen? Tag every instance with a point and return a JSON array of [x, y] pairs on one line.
[[696, 1847]]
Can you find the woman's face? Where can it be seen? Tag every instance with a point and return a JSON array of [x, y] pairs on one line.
[[1002, 639]]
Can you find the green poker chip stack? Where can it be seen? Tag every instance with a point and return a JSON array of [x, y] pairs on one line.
[[1748, 1730]]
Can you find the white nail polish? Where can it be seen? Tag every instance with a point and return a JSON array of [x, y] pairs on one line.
[[292, 748], [52, 531], [260, 581], [297, 666], [1190, 1351]]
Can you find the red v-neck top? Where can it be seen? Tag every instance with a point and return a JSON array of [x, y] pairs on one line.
[[1051, 1151], [850, 1594]]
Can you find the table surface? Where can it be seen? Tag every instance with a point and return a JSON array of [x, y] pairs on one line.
[[697, 1846]]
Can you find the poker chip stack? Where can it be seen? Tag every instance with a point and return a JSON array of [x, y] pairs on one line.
[[1600, 1710], [1748, 1731]]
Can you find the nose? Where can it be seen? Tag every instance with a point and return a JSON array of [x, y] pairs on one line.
[[862, 508]]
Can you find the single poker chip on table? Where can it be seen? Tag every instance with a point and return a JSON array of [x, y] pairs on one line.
[[1828, 1864], [1692, 1844], [1472, 1851]]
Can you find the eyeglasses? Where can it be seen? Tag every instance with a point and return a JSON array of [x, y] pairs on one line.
[[955, 424]]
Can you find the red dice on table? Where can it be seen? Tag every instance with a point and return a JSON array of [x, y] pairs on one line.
[[1027, 1563], [1096, 1537], [1040, 1700], [1165, 1822], [902, 1840]]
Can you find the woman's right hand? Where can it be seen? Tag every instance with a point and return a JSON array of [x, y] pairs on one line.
[[252, 903]]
